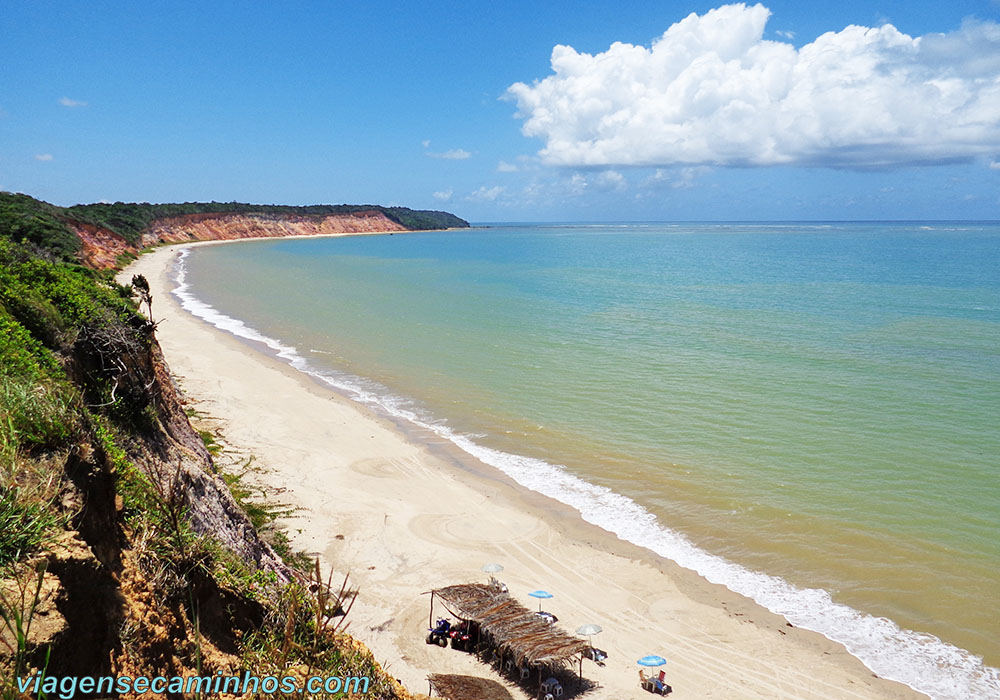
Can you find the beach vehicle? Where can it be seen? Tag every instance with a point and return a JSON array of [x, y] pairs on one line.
[[439, 635], [460, 636]]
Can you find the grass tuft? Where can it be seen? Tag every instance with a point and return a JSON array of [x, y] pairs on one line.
[[27, 522], [17, 612]]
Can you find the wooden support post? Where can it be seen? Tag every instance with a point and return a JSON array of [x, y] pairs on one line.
[[430, 615]]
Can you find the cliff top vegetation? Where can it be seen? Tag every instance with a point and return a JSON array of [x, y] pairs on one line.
[[44, 224]]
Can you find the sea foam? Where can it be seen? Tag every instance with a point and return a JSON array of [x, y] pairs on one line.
[[919, 660]]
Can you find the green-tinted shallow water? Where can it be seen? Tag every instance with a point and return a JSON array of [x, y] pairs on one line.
[[818, 403]]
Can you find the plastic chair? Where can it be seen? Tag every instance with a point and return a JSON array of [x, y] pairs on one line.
[[552, 686], [646, 682]]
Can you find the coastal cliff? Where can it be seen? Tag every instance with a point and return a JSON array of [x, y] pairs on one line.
[[101, 248], [106, 232], [213, 227], [100, 236], [125, 549]]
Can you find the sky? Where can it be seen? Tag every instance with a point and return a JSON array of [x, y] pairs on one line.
[[554, 111]]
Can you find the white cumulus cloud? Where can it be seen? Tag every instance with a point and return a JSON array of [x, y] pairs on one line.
[[67, 102], [444, 195], [44, 157], [505, 167], [712, 91]]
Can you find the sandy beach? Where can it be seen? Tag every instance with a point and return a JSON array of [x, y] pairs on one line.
[[405, 512]]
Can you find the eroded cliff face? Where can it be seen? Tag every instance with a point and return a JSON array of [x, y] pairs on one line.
[[215, 227], [101, 248]]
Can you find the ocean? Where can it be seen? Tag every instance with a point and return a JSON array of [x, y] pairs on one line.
[[807, 413]]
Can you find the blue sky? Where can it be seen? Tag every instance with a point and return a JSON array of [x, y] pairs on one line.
[[738, 113]]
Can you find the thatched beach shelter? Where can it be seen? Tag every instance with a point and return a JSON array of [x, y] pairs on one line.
[[518, 633], [453, 687]]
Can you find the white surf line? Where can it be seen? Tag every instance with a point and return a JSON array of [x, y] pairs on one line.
[[919, 660]]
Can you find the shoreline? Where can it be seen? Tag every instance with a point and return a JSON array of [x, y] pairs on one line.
[[357, 474]]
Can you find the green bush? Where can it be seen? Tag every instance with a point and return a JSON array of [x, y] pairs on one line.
[[34, 415], [24, 219], [20, 353]]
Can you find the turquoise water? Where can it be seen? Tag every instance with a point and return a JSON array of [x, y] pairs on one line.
[[807, 413]]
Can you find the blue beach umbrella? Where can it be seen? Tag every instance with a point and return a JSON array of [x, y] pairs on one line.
[[651, 660], [540, 595]]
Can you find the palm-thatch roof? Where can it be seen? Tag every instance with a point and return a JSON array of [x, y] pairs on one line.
[[513, 628], [453, 687]]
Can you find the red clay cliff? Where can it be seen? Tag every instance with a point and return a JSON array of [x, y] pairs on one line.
[[101, 247]]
